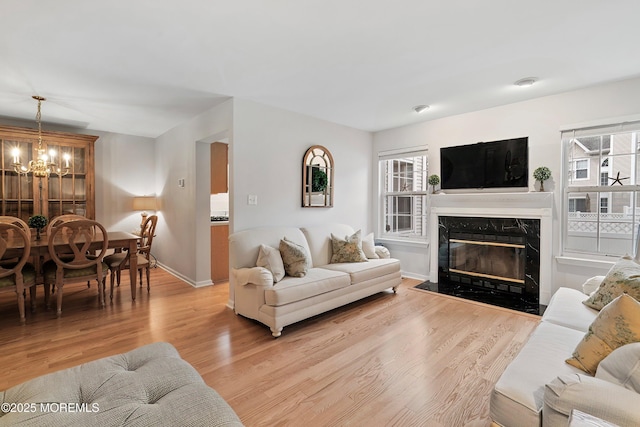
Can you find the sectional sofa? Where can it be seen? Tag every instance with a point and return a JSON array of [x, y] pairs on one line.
[[276, 303], [538, 388]]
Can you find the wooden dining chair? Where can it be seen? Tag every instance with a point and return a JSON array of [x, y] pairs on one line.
[[16, 274], [7, 219], [83, 236], [120, 260], [60, 219]]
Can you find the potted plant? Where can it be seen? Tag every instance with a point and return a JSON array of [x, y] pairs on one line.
[[433, 181], [542, 174], [38, 222]]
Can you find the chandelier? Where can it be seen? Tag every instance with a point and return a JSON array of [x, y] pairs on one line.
[[44, 165]]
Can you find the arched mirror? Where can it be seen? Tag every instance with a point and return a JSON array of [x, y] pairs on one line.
[[317, 178]]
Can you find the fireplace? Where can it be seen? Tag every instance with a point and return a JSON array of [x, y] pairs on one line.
[[492, 260], [504, 218]]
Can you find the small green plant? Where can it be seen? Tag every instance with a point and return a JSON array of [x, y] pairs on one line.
[[542, 173], [434, 180], [38, 222]]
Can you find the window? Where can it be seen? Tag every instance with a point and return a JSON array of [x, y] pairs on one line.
[[581, 169], [403, 190], [601, 209]]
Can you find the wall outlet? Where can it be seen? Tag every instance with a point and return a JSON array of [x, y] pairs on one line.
[[181, 183], [252, 199]]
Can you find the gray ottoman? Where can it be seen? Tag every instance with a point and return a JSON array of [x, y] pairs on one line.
[[149, 386]]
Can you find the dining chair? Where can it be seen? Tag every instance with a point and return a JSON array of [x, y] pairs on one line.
[[7, 219], [16, 274], [82, 237], [120, 260], [62, 218]]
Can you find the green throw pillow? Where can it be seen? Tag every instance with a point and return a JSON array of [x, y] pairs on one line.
[[295, 258], [623, 277], [348, 249]]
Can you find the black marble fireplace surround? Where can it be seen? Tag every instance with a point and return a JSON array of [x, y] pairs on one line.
[[518, 293]]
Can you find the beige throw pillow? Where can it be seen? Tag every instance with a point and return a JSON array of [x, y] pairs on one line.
[[622, 367], [624, 276], [295, 258], [271, 259], [617, 324], [369, 247], [348, 249]]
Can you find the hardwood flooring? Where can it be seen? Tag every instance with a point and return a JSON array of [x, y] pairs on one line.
[[408, 359]]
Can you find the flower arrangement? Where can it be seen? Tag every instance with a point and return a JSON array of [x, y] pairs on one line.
[[433, 181], [542, 174], [38, 222]]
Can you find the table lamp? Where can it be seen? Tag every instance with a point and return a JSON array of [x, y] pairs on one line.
[[144, 203]]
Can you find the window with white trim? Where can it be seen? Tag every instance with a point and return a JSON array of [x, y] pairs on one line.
[[601, 189], [403, 194]]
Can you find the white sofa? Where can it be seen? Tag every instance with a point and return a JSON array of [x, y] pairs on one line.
[[324, 287], [538, 388]]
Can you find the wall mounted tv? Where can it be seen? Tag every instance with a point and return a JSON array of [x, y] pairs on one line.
[[496, 164]]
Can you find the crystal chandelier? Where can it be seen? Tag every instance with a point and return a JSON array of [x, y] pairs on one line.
[[44, 165]]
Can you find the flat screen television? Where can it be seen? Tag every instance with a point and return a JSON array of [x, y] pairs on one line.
[[496, 164]]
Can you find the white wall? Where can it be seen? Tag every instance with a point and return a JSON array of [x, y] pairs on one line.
[[125, 167], [541, 120], [266, 160], [183, 240]]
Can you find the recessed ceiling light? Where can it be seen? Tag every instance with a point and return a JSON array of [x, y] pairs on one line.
[[420, 108], [526, 82]]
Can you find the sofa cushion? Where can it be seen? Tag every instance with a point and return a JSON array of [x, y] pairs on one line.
[[271, 259], [566, 309], [347, 249], [622, 367], [617, 324], [319, 241], [150, 385], [517, 397], [362, 271], [624, 276], [317, 281], [295, 258], [369, 246]]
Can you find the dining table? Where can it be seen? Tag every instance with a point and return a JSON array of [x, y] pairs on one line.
[[116, 240]]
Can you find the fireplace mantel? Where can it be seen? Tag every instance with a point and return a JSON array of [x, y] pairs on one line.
[[533, 205]]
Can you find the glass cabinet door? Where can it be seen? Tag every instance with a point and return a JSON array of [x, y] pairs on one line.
[[17, 190]]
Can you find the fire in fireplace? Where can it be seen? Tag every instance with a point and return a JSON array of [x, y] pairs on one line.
[[492, 260]]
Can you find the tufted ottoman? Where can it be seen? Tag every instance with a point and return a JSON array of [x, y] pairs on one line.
[[149, 386]]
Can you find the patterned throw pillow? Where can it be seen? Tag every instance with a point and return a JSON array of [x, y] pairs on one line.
[[271, 259], [295, 258], [623, 277], [348, 249], [617, 324]]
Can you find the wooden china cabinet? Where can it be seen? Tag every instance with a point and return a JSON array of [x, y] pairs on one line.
[[26, 195]]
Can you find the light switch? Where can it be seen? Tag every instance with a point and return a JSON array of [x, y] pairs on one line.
[[181, 183], [252, 199]]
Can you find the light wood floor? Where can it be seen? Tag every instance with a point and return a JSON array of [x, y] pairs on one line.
[[410, 359]]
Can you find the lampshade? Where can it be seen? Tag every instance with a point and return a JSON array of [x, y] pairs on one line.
[[143, 203]]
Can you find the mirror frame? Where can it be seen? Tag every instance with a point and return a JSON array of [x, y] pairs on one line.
[[318, 170]]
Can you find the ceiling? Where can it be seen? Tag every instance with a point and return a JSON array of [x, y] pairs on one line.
[[142, 67]]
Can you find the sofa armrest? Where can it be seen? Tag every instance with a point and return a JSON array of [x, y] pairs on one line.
[[382, 252], [594, 396], [258, 276]]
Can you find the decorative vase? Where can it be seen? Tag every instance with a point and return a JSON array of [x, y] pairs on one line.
[[37, 234], [541, 185]]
